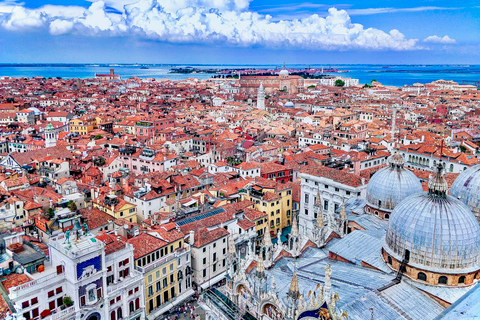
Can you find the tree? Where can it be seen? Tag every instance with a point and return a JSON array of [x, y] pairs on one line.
[[67, 301], [373, 80], [72, 206], [50, 213], [463, 148], [98, 136], [339, 83]]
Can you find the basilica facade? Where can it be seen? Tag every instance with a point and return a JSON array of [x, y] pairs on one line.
[[284, 82]]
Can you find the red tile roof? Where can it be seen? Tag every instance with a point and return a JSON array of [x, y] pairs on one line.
[[144, 244], [203, 236]]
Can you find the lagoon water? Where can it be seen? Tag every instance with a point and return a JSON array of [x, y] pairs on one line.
[[394, 75]]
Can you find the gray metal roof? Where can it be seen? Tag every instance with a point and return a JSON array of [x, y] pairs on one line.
[[442, 234], [390, 185], [466, 187], [467, 307]]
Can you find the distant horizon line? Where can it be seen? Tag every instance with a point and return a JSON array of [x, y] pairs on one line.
[[114, 64]]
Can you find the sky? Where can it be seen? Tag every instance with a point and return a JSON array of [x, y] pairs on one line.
[[240, 31]]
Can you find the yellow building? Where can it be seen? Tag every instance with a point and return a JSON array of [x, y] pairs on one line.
[[116, 207], [83, 125], [274, 199], [164, 260]]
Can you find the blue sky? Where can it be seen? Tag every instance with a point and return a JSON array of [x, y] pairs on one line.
[[239, 31]]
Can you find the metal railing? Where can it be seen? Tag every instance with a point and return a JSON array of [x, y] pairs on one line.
[[161, 261], [33, 285], [135, 276]]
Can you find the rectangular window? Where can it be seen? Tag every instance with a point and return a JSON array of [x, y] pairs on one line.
[[306, 198], [34, 300], [214, 267], [150, 291]]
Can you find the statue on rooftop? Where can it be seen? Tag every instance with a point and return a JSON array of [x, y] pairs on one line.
[[67, 236], [85, 228]]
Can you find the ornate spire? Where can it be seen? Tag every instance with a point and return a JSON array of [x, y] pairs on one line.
[[318, 201], [396, 160], [267, 240], [260, 273], [231, 247], [320, 220], [343, 212], [294, 290], [438, 186], [294, 231]]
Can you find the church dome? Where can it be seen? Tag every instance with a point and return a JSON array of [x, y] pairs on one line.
[[437, 232], [289, 104], [466, 188], [283, 72], [390, 185]]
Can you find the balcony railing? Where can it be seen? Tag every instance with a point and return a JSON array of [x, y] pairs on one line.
[[135, 276], [30, 286], [162, 261]]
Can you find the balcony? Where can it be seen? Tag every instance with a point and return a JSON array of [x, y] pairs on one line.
[[38, 284], [134, 277], [256, 194], [163, 260]]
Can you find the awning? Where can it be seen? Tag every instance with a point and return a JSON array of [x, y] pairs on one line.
[[214, 280], [189, 203]]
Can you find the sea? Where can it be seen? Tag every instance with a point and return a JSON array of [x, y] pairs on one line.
[[391, 75]]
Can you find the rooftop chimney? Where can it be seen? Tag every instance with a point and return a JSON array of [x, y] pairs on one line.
[[191, 239]]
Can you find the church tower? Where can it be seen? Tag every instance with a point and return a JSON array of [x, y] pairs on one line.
[[261, 97], [50, 137]]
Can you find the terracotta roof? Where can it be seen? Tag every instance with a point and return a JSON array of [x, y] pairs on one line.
[[203, 236], [144, 244], [342, 177]]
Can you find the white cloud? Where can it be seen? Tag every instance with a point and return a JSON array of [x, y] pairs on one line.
[[436, 39], [370, 11], [205, 21]]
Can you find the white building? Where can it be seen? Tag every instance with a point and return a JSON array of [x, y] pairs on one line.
[[97, 276], [349, 82], [334, 187], [209, 249]]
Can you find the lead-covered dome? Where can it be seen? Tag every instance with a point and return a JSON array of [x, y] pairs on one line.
[[390, 185], [466, 188], [437, 232]]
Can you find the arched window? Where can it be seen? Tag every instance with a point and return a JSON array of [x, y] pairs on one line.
[[387, 216], [119, 313], [389, 259], [422, 276], [476, 276], [179, 275], [461, 279], [112, 315], [442, 280], [376, 212], [451, 167]]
